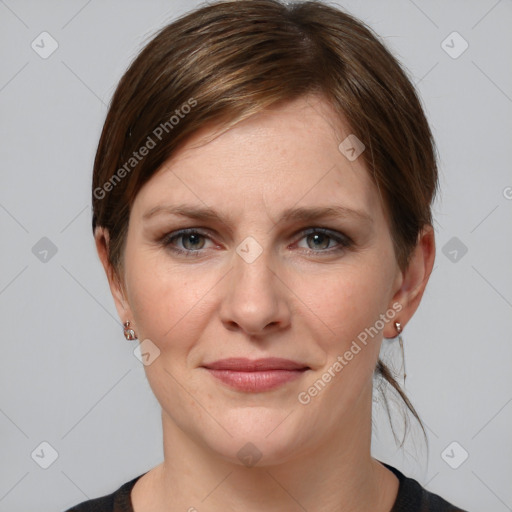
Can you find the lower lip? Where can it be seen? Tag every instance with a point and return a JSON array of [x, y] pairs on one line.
[[257, 381]]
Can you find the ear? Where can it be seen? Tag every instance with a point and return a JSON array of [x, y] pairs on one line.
[[101, 237], [411, 283]]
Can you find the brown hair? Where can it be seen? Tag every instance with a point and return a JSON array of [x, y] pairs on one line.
[[229, 60]]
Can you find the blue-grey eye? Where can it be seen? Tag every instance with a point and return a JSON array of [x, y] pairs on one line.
[[320, 240], [192, 241]]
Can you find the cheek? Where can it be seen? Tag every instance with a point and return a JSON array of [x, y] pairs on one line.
[[351, 303], [167, 301], [346, 301]]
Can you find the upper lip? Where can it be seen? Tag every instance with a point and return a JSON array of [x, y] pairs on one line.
[[241, 364]]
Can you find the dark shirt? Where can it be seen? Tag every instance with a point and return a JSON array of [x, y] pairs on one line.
[[412, 497]]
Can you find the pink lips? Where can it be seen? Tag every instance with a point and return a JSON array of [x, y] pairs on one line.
[[255, 375]]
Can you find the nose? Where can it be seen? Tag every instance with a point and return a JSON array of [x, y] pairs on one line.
[[255, 298]]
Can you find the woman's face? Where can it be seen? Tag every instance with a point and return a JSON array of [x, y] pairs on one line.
[[258, 279]]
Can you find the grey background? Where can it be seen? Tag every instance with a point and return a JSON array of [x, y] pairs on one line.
[[68, 377]]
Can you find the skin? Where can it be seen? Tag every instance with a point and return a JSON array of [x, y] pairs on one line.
[[301, 299]]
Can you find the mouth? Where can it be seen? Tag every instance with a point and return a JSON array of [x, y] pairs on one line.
[[255, 376]]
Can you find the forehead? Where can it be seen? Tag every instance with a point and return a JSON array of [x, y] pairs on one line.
[[275, 159]]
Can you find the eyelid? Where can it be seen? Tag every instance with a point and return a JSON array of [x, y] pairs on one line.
[[344, 242], [167, 238], [337, 235]]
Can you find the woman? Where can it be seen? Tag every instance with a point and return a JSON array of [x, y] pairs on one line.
[[262, 198]]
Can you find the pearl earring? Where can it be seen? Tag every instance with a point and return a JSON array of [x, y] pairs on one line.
[[129, 333]]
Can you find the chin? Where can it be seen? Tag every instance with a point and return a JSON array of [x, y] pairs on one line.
[[261, 436]]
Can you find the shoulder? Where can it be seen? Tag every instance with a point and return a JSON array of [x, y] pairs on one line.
[[118, 501], [412, 497]]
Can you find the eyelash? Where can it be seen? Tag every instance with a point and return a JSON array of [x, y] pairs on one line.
[[343, 240]]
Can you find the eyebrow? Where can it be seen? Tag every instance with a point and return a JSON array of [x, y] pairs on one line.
[[290, 214]]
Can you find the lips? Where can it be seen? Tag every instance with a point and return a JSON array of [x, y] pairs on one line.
[[254, 376], [254, 365]]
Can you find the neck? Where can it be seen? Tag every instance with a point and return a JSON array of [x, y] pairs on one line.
[[338, 474]]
